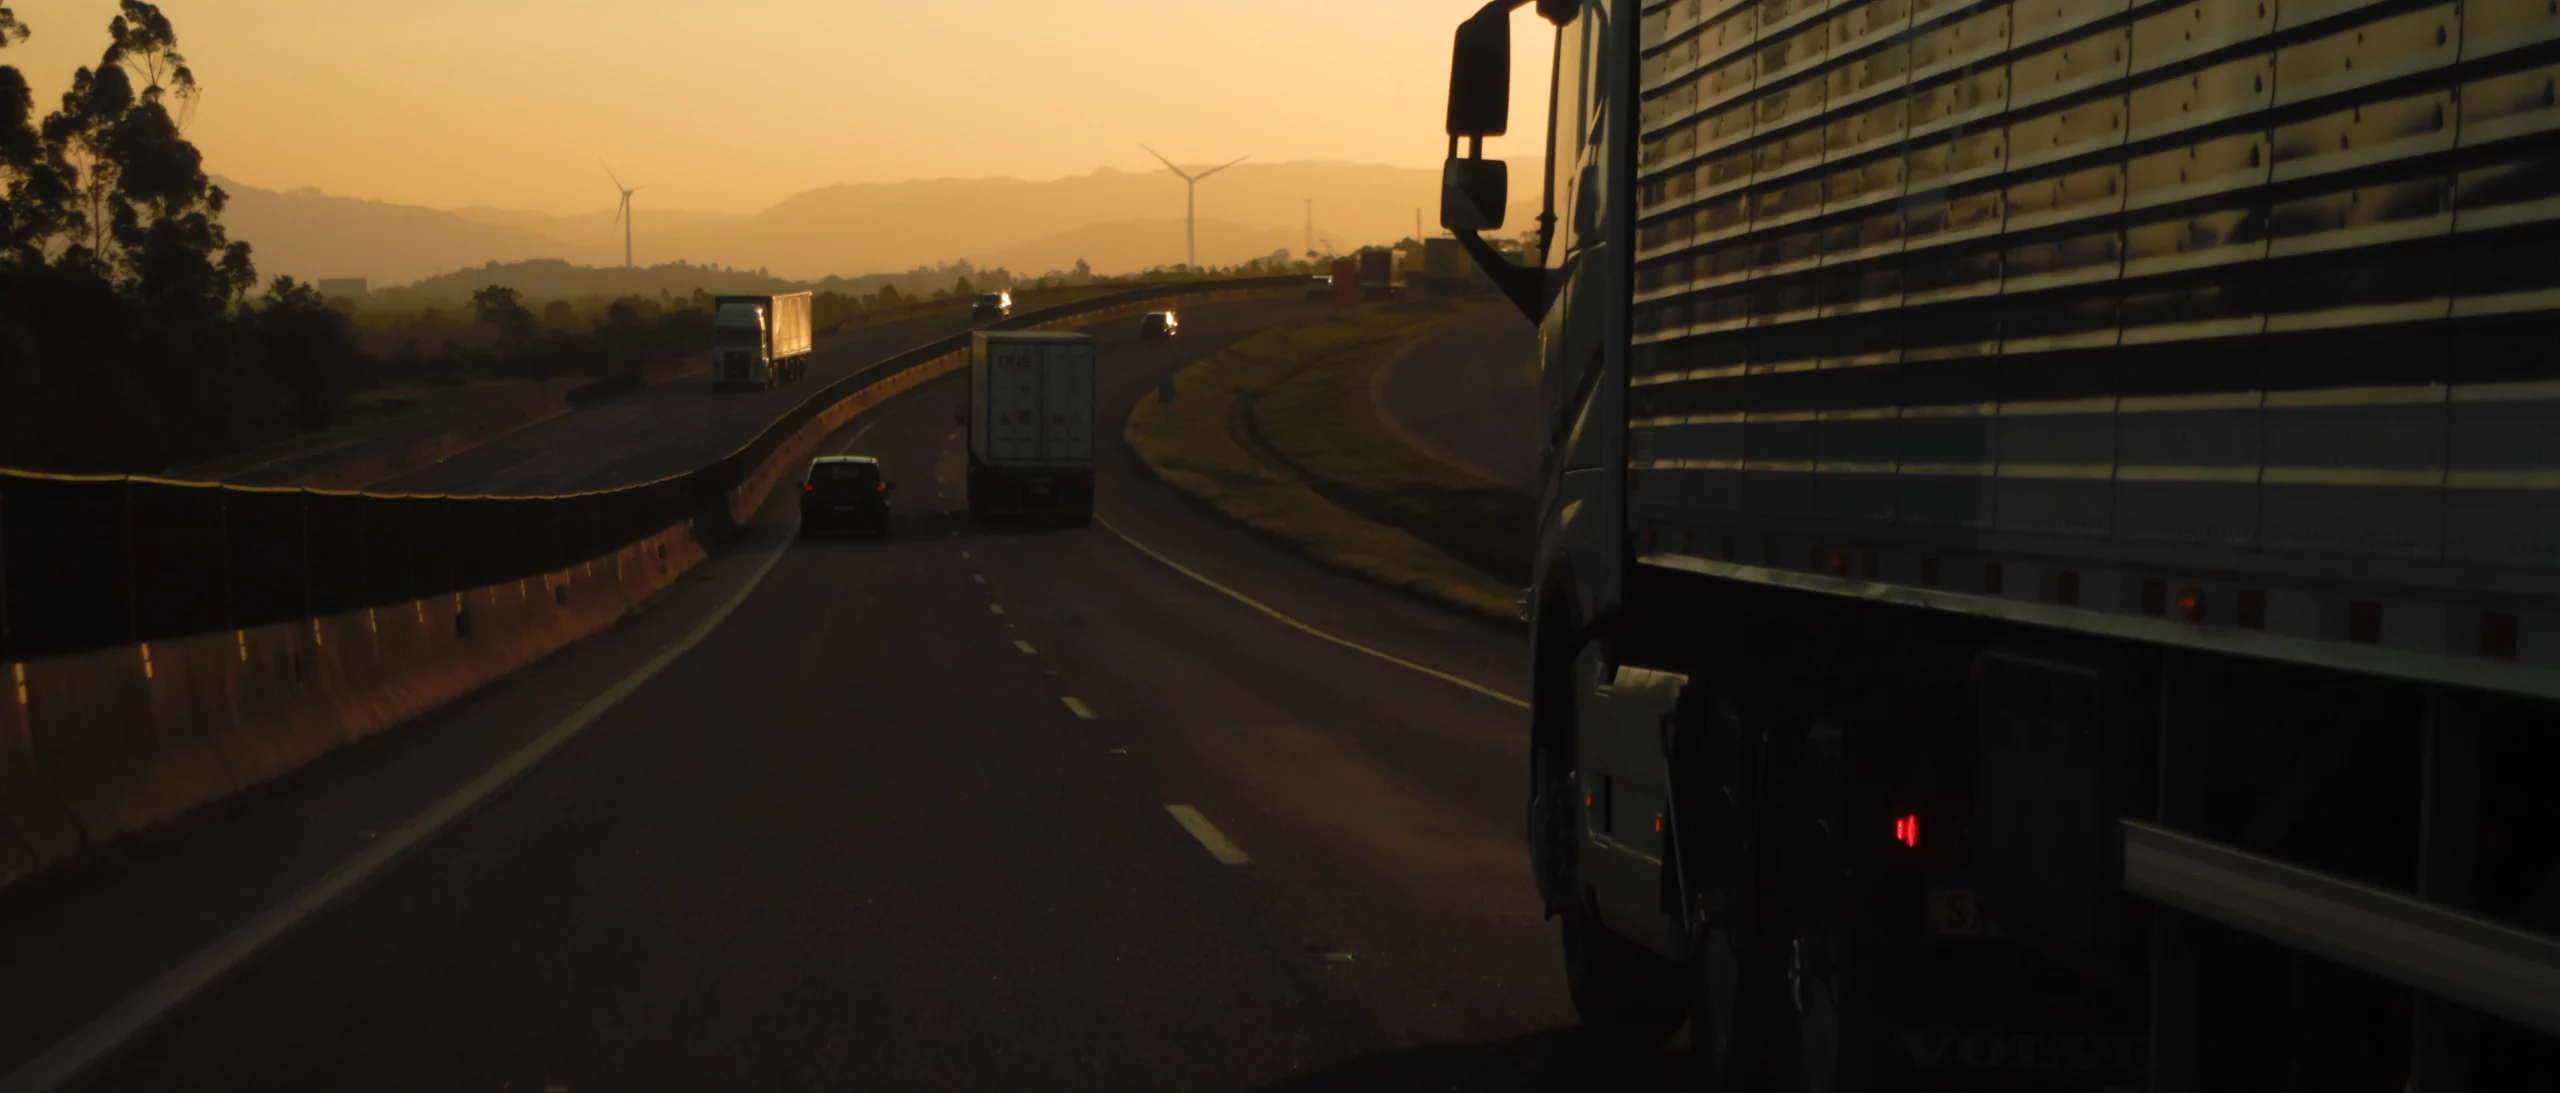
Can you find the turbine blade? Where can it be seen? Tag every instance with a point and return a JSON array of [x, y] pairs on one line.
[[608, 173], [1168, 163], [1222, 166]]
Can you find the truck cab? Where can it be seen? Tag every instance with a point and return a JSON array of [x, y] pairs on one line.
[[740, 350]]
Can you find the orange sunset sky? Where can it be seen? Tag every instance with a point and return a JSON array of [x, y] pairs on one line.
[[729, 105]]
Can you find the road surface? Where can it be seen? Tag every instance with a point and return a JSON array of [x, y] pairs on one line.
[[946, 810], [1467, 394], [657, 431]]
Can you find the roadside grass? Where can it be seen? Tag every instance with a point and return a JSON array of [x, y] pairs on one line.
[[1277, 432]]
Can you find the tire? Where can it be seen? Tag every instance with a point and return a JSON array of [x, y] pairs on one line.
[[1620, 989], [1823, 945], [1728, 962]]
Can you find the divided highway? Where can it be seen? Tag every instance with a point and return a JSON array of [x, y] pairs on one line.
[[954, 809], [658, 431]]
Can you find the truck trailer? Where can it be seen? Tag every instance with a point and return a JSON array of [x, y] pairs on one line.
[[1031, 425], [2048, 573], [759, 341]]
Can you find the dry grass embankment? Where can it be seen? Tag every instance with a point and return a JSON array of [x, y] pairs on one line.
[[1278, 433]]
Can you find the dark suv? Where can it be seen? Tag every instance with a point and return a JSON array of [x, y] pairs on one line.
[[845, 492], [992, 305]]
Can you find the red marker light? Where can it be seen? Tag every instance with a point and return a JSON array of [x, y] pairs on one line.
[[808, 489], [881, 488], [2191, 604], [1906, 830]]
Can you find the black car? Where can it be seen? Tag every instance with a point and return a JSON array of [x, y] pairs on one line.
[[992, 305], [845, 492], [1159, 324]]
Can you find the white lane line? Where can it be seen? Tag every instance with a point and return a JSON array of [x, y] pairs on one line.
[[1347, 643], [1077, 707], [995, 609], [978, 578], [65, 1061], [1026, 648], [1220, 847], [856, 438], [964, 554]]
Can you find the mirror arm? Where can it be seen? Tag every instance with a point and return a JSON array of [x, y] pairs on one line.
[[1524, 286]]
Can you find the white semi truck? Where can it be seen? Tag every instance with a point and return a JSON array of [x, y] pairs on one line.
[[760, 341], [2048, 573], [1031, 425]]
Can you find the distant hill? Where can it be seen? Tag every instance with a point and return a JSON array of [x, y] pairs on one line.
[[1117, 221], [309, 235]]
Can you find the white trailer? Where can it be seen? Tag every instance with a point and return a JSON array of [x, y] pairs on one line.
[[1031, 424]]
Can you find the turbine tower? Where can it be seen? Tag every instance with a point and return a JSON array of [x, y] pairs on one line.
[[622, 215], [1190, 203]]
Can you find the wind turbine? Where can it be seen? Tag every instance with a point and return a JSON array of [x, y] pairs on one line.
[[1190, 203], [622, 215]]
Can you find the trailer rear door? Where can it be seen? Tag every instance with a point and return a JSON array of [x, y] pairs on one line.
[[1067, 403]]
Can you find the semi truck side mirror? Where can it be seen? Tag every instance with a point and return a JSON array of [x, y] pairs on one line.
[[1473, 193], [1474, 190], [1480, 77]]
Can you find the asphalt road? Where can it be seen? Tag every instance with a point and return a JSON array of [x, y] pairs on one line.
[[657, 431], [907, 820], [1467, 394]]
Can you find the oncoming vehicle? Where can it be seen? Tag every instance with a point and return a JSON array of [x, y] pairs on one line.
[[845, 492], [1319, 287], [1158, 325], [760, 341], [992, 305]]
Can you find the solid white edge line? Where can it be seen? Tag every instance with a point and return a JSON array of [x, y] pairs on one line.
[[1258, 605], [1219, 846], [100, 1038], [1077, 707]]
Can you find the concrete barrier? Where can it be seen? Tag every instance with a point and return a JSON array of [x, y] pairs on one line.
[[95, 746], [35, 830]]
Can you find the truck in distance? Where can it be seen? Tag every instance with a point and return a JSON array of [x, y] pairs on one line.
[[1030, 418], [760, 341], [2048, 563]]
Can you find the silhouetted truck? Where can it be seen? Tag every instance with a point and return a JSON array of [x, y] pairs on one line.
[[759, 341], [1031, 425], [2048, 573]]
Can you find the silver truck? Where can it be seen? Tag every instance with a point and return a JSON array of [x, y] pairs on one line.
[[760, 341], [2049, 565]]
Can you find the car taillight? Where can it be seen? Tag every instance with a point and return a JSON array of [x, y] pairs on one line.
[[881, 488], [808, 489]]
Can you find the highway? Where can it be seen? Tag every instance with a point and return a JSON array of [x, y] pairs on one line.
[[657, 431], [1467, 394], [952, 809]]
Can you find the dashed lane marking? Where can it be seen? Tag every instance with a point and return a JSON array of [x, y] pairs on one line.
[[1077, 707], [995, 609], [1026, 648], [1276, 614], [1220, 847], [978, 578]]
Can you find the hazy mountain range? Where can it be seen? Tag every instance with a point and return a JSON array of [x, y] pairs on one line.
[[1118, 222]]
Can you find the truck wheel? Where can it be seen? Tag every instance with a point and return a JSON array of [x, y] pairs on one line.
[[1620, 989], [1822, 944], [1728, 958]]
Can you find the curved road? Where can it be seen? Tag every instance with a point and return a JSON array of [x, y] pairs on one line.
[[948, 810], [1467, 395], [657, 431]]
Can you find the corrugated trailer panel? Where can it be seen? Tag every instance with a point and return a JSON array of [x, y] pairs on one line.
[[2086, 304], [792, 320]]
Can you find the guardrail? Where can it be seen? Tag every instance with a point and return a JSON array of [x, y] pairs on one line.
[[169, 643], [91, 562]]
